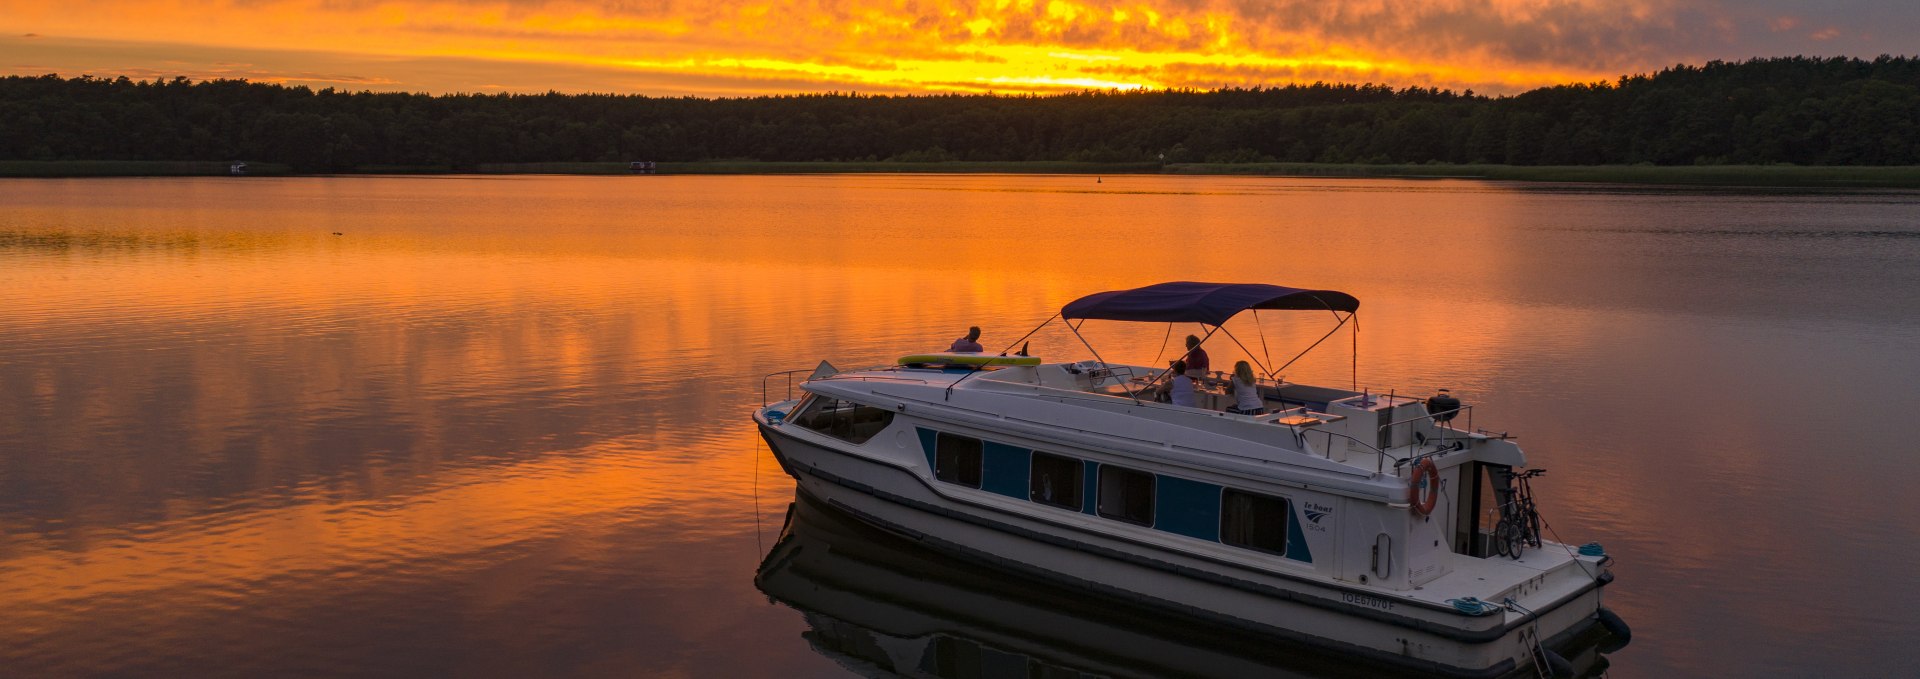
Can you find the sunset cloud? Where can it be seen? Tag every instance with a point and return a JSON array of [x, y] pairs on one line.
[[749, 46]]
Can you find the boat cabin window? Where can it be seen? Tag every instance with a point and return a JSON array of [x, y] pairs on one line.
[[1253, 521], [844, 420], [956, 459], [1056, 481], [1126, 495]]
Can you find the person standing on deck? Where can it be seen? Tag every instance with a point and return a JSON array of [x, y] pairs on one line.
[[1196, 359], [969, 344]]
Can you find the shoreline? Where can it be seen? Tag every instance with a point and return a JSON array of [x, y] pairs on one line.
[[1765, 176]]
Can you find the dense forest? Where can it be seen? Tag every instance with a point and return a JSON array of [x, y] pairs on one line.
[[1800, 110]]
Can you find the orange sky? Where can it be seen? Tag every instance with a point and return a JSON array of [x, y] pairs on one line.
[[729, 47]]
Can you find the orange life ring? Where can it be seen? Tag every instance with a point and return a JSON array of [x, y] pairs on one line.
[[1425, 476]]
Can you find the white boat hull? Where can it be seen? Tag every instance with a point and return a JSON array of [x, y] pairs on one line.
[[1322, 614]]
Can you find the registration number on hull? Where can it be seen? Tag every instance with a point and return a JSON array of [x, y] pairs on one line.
[[1369, 601]]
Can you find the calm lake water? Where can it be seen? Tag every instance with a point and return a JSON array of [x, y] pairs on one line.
[[398, 426]]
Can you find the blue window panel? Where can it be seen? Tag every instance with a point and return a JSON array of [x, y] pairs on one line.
[[927, 443], [1297, 541], [1090, 490], [1006, 469], [1189, 508]]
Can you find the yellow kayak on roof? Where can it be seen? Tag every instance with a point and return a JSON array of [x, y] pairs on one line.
[[968, 359]]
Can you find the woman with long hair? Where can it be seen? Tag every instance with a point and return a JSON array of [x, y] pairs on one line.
[[1246, 391]]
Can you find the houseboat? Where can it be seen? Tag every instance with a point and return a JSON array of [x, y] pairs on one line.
[[1380, 527]]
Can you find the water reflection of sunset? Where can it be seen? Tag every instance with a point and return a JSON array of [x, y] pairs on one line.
[[374, 527], [486, 392]]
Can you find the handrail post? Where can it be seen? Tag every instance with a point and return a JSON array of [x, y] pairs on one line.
[[768, 378], [1096, 356]]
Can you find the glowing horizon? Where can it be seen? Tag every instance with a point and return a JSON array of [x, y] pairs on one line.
[[743, 47]]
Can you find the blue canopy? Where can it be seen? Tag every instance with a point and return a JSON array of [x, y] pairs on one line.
[[1210, 303]]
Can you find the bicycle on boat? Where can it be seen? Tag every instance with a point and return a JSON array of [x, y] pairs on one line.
[[1519, 525]]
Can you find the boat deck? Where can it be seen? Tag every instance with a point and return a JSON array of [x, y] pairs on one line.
[[1108, 402], [1301, 419], [1491, 579]]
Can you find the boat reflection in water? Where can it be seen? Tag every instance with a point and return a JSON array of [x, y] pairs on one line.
[[882, 605]]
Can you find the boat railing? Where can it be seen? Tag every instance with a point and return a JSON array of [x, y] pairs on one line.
[[873, 378], [1386, 430], [788, 374], [1118, 374], [1301, 437]]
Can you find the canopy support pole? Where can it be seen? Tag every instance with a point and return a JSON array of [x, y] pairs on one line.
[[1035, 329], [1263, 338], [1355, 316], [1323, 338], [1189, 352], [1243, 348], [1163, 344], [1103, 362]]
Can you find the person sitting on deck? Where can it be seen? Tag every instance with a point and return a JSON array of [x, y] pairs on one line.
[[1246, 391], [1180, 388], [1196, 359], [969, 344]]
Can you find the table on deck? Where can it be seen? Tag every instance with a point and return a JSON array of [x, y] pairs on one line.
[[1208, 394]]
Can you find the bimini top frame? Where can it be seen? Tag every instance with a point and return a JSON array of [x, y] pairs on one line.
[[1209, 304]]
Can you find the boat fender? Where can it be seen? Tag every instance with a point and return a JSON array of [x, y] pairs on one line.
[[1426, 477], [1557, 665], [1614, 625]]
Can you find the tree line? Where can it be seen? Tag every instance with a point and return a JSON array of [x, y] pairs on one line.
[[1799, 110]]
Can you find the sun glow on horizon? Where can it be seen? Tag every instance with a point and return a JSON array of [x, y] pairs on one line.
[[756, 47]]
